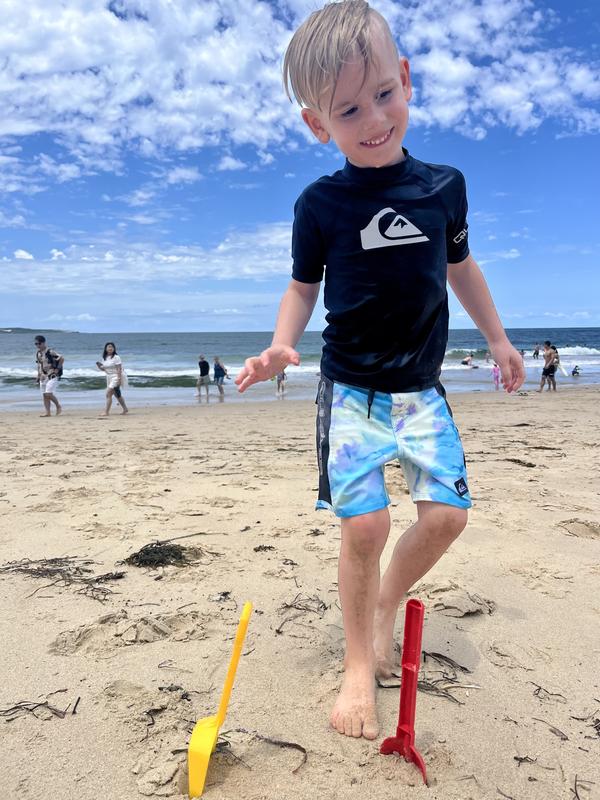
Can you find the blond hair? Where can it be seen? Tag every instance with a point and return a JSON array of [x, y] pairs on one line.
[[328, 39]]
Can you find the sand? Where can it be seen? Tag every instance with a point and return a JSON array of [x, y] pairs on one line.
[[135, 661]]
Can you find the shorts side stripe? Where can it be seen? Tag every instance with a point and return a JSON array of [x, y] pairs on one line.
[[324, 401]]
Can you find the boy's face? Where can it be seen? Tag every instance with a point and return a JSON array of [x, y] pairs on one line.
[[367, 122]]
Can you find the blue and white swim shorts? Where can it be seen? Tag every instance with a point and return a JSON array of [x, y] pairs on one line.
[[359, 431]]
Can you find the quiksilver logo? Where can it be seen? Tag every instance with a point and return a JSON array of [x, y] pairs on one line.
[[389, 229], [461, 487]]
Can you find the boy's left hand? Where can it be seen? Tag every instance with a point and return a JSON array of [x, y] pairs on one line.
[[511, 365]]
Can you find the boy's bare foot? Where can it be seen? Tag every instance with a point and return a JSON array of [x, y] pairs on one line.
[[354, 712], [383, 644], [45, 415], [58, 410]]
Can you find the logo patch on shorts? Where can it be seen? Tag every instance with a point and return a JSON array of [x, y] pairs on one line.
[[461, 487]]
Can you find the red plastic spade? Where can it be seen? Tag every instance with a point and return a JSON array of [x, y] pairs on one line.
[[403, 742]]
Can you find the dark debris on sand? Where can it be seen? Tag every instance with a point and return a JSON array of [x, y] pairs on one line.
[[65, 571], [158, 554], [163, 553]]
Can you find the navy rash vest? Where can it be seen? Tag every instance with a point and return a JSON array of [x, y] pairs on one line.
[[383, 237]]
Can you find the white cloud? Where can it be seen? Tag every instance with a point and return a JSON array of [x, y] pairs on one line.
[[183, 175], [258, 254], [23, 255], [139, 197], [14, 221], [61, 172], [71, 318], [508, 254], [177, 75], [230, 163], [143, 219]]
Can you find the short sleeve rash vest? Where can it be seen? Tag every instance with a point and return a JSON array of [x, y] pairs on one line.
[[382, 238]]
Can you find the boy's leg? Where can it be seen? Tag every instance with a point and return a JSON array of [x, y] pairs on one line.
[[417, 550], [363, 539]]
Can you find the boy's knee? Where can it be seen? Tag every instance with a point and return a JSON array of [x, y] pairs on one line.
[[458, 519], [448, 521], [366, 534]]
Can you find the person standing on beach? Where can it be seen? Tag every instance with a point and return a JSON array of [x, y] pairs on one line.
[[556, 364], [203, 377], [536, 351], [281, 379], [496, 376], [549, 367], [116, 379], [220, 373], [376, 223], [49, 365]]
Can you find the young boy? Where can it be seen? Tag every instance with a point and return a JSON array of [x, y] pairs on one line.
[[391, 230]]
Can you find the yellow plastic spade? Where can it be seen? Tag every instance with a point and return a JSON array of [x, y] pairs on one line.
[[206, 731]]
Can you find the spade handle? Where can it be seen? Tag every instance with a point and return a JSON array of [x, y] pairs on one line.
[[233, 662]]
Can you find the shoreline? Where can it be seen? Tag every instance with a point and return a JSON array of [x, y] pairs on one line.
[[178, 397]]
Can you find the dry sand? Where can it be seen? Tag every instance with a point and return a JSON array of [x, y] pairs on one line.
[[515, 601]]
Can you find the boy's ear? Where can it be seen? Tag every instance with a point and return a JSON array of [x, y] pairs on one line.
[[405, 78], [313, 120]]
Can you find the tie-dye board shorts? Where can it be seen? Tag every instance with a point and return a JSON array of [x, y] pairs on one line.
[[414, 428]]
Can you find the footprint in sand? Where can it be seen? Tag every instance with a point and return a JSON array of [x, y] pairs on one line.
[[164, 716], [218, 502], [450, 599], [120, 629], [544, 580], [582, 529], [515, 656]]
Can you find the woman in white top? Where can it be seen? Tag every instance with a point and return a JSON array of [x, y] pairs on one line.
[[116, 379]]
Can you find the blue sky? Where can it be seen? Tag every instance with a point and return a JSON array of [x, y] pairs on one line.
[[149, 160]]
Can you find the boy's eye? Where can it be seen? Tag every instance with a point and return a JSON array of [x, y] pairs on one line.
[[349, 112], [385, 94]]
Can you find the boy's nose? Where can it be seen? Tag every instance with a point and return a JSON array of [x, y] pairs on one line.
[[375, 122]]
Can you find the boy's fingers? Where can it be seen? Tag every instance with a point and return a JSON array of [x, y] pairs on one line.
[[247, 372], [248, 381]]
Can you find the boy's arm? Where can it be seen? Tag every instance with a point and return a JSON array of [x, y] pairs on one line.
[[296, 307], [469, 285]]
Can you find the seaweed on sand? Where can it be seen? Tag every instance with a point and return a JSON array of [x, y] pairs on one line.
[[162, 553], [158, 554], [65, 571]]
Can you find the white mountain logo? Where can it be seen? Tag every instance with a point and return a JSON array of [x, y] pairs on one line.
[[388, 229]]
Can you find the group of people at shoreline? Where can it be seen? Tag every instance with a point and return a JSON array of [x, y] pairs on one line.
[[50, 364], [551, 364], [219, 375]]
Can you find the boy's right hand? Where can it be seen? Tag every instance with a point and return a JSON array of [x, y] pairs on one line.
[[265, 366]]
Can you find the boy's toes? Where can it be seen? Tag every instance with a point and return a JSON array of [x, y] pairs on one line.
[[352, 725], [370, 727]]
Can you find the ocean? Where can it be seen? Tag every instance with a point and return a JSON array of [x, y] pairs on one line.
[[162, 367]]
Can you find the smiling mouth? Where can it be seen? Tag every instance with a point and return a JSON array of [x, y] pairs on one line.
[[379, 141]]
